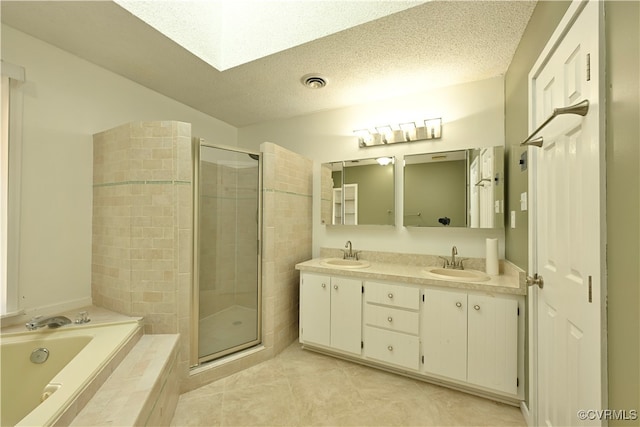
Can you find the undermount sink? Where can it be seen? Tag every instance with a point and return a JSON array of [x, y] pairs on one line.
[[345, 263], [458, 275]]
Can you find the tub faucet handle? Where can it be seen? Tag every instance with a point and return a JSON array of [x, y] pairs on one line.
[[82, 317], [32, 324]]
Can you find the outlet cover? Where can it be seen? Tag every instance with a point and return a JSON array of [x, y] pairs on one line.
[[513, 219]]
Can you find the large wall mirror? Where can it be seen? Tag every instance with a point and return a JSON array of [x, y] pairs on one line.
[[358, 192], [463, 188]]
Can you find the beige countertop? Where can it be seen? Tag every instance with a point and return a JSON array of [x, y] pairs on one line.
[[510, 281]]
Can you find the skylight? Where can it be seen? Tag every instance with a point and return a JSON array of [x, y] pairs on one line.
[[228, 33]]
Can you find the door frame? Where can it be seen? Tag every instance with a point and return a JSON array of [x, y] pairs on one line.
[[530, 410]]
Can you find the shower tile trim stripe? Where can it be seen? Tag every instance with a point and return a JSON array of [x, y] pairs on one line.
[[145, 182], [271, 190]]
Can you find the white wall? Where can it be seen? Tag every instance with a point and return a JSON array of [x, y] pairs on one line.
[[473, 116], [66, 101]]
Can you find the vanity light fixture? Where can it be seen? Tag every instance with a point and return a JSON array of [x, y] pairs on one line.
[[386, 132], [434, 128], [384, 161], [409, 130], [404, 132]]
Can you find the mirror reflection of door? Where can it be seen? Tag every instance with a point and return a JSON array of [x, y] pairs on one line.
[[486, 188], [474, 198]]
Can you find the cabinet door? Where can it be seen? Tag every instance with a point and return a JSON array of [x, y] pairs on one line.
[[315, 309], [444, 333], [493, 342], [346, 314]]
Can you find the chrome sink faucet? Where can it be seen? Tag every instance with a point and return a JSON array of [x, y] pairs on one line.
[[453, 263], [52, 322], [349, 253]]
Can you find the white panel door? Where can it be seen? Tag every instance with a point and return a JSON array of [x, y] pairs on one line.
[[566, 223]]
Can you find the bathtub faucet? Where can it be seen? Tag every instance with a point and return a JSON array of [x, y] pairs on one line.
[[52, 322]]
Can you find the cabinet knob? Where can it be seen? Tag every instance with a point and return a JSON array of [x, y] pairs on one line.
[[476, 307], [389, 319], [458, 304], [335, 287], [324, 285], [390, 348], [390, 295]]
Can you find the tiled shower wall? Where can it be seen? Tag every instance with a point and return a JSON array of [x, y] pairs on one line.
[[288, 189], [142, 237], [286, 240], [142, 221]]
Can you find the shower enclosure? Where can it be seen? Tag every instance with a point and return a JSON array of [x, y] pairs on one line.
[[226, 306]]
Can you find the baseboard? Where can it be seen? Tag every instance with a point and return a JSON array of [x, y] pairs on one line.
[[526, 414]]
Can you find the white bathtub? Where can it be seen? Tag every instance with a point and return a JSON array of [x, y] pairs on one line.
[[53, 392]]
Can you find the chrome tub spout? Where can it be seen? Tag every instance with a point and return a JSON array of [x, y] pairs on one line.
[[52, 322]]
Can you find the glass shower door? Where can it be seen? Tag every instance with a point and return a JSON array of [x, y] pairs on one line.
[[227, 259]]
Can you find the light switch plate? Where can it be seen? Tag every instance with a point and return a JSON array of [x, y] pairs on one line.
[[523, 161], [497, 206], [513, 219], [523, 201]]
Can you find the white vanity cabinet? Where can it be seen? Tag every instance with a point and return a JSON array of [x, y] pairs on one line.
[[471, 337], [391, 324], [331, 312], [464, 335]]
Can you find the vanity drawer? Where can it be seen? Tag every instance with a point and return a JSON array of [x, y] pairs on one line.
[[392, 347], [391, 318], [392, 295]]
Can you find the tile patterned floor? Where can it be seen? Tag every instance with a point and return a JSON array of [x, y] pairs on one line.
[[302, 388]]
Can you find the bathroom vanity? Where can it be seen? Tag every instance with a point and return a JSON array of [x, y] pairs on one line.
[[462, 332]]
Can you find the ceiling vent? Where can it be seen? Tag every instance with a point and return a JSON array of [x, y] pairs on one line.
[[313, 81]]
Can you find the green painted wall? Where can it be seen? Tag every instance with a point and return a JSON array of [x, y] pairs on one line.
[[622, 20], [435, 190], [543, 22], [376, 202]]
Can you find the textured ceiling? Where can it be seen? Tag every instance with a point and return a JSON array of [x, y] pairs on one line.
[[435, 44]]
